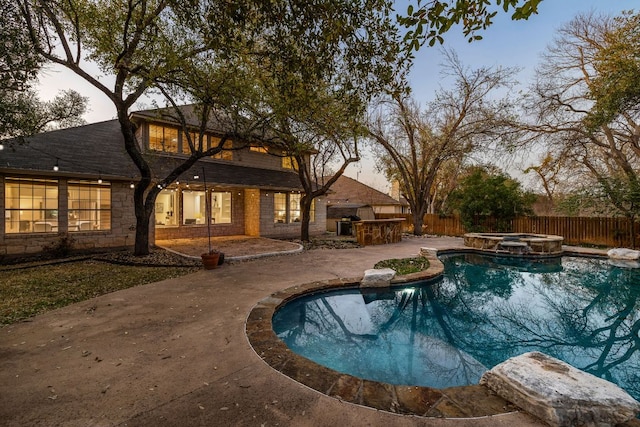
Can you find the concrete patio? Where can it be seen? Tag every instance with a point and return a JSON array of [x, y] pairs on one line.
[[175, 353]]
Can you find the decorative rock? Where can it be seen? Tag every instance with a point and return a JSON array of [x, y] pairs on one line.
[[428, 252], [377, 278], [624, 254], [558, 393]]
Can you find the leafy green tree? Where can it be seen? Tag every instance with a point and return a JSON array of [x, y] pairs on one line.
[[616, 87], [486, 195], [21, 111], [199, 51], [428, 20]]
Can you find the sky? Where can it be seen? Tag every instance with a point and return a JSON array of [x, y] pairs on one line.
[[506, 43]]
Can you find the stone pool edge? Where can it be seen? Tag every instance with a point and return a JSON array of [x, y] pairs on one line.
[[472, 401]]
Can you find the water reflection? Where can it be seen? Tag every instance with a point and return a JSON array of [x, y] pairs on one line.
[[483, 311]]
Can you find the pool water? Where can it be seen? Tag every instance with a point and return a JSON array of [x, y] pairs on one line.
[[483, 311]]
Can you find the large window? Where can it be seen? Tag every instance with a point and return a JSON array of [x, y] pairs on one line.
[[31, 206], [165, 209], [220, 207], [163, 138], [89, 206], [193, 207]]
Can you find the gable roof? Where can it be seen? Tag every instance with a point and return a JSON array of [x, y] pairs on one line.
[[97, 150], [348, 191]]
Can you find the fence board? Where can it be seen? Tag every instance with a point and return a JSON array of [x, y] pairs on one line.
[[599, 231]]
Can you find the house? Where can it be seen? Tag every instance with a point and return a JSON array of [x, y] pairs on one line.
[[78, 182], [350, 197]]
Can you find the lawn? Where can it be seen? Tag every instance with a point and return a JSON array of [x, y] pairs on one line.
[[405, 265], [26, 292]]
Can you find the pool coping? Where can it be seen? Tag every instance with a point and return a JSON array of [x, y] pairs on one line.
[[473, 401]]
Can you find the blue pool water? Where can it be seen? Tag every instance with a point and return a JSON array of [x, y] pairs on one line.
[[483, 311]]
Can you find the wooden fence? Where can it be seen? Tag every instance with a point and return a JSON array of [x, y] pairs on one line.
[[599, 231]]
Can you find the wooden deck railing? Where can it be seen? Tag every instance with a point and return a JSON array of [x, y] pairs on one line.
[[600, 231]]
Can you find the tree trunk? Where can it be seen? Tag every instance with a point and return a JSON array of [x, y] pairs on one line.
[[418, 218], [305, 206], [142, 233]]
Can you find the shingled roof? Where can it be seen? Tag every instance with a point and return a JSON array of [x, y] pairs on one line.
[[97, 150], [348, 191]]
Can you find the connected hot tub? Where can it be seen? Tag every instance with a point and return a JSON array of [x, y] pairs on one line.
[[515, 243]]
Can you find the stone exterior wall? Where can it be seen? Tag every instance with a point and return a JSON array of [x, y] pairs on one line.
[[252, 212], [121, 234]]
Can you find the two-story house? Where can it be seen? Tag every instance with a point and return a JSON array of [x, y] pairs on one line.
[[78, 182]]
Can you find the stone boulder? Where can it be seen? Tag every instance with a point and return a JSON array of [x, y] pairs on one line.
[[558, 393], [624, 254], [377, 278]]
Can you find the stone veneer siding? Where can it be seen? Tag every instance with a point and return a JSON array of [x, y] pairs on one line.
[[268, 228], [122, 233]]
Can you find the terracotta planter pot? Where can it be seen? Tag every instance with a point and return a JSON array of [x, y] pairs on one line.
[[210, 261]]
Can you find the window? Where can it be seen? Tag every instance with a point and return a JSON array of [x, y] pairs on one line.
[[294, 208], [31, 206], [258, 149], [193, 207], [165, 210], [225, 154], [280, 207], [289, 163], [221, 207], [312, 211], [89, 206], [163, 138], [286, 208], [195, 139]]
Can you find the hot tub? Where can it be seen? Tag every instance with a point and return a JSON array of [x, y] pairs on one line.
[[515, 243]]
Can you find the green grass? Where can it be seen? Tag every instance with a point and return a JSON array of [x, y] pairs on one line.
[[31, 291], [405, 265]]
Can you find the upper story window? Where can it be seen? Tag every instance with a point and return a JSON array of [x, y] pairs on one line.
[[195, 140], [226, 153], [258, 149], [163, 138], [31, 205], [289, 163], [89, 205]]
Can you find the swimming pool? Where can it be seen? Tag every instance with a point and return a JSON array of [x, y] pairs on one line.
[[481, 312]]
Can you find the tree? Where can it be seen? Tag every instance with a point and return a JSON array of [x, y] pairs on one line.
[[616, 86], [428, 20], [23, 114], [601, 156], [21, 111], [415, 146], [198, 50], [487, 194]]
